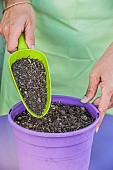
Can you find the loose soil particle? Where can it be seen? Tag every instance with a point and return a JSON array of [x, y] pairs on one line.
[[60, 118], [30, 76]]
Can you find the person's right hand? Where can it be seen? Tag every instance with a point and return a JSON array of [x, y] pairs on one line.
[[17, 19]]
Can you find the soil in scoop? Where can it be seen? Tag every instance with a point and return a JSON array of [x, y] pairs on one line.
[[30, 76], [60, 118]]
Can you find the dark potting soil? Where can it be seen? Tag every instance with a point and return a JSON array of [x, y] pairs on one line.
[[30, 76], [60, 118]]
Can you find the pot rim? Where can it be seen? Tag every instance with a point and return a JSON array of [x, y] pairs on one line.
[[53, 135]]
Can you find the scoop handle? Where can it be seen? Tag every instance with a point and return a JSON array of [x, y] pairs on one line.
[[21, 42]]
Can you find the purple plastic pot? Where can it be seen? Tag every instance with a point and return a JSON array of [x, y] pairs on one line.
[[54, 151]]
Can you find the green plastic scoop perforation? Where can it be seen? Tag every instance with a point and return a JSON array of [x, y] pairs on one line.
[[24, 52]]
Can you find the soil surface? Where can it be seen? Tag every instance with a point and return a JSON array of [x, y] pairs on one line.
[[60, 118], [30, 76]]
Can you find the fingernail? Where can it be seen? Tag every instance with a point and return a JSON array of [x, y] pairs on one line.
[[32, 47], [97, 129], [84, 99]]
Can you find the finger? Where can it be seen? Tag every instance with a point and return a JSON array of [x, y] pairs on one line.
[[13, 40], [0, 28], [111, 103], [96, 102], [5, 33], [1, 32], [103, 104], [29, 36], [92, 89]]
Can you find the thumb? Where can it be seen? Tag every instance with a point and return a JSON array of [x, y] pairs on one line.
[[92, 89], [29, 36]]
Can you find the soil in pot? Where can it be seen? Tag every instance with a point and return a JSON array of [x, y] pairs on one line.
[[30, 76], [60, 118]]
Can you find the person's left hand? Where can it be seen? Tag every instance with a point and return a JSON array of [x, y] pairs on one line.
[[101, 74]]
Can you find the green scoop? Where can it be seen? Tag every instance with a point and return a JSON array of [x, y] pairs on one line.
[[24, 52]]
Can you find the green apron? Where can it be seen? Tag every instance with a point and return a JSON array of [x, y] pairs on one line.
[[73, 34], [2, 46]]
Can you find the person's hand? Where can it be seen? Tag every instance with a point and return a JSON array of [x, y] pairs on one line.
[[101, 74], [17, 19]]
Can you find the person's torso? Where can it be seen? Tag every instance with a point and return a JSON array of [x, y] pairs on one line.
[[73, 34]]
